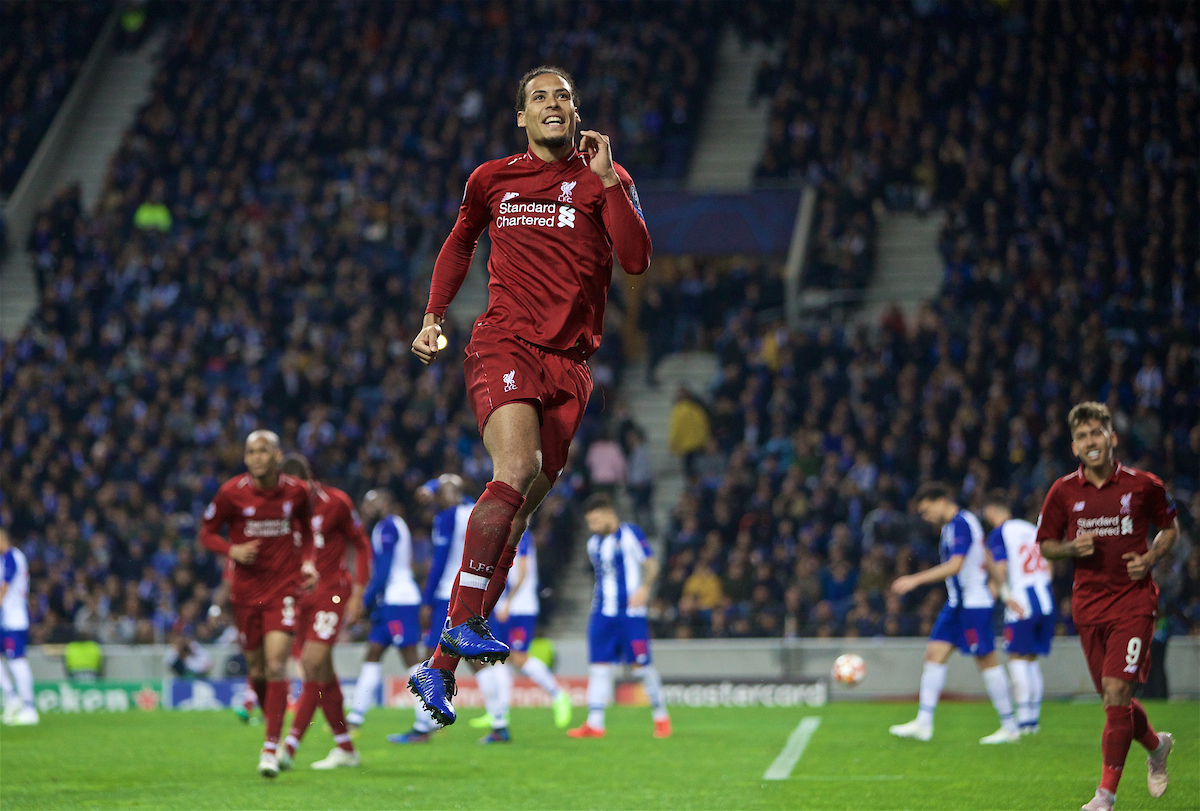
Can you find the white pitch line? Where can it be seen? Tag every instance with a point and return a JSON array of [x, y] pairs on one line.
[[781, 769]]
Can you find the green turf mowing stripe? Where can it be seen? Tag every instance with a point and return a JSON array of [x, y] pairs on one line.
[[781, 769]]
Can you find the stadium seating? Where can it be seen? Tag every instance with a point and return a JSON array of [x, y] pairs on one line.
[[1062, 146], [253, 262], [42, 47]]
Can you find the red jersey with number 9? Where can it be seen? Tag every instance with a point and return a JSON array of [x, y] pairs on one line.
[[1119, 514]]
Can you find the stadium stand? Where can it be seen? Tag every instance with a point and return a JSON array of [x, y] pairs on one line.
[[256, 259], [1061, 144], [253, 262], [42, 47]]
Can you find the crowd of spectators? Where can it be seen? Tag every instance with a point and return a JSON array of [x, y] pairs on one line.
[[1060, 141], [42, 47], [257, 259]]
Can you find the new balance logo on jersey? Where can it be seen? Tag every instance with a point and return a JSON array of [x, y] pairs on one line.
[[510, 381], [567, 187], [1125, 499], [508, 195], [1079, 506], [1133, 668], [249, 511]]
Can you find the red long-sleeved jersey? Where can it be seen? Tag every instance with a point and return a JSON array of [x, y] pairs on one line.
[[279, 518], [554, 228], [336, 527]]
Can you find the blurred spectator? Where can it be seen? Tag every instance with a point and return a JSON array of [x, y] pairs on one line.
[[688, 428], [83, 660], [187, 658]]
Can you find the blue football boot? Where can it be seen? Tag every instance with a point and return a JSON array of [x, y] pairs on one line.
[[499, 735], [435, 688], [412, 736], [473, 640]]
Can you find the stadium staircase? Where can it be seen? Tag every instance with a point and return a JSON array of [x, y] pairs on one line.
[[908, 266], [91, 133], [733, 130], [650, 408]]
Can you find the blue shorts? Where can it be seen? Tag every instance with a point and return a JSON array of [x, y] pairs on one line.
[[398, 625], [619, 639], [517, 631], [437, 621], [968, 629], [1030, 636], [13, 643]]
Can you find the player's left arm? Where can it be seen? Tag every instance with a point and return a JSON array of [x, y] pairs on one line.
[[362, 563], [650, 569], [622, 211], [302, 513], [907, 582], [1140, 565], [1162, 513], [9, 572]]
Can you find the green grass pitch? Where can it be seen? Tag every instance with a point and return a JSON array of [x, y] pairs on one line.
[[716, 759]]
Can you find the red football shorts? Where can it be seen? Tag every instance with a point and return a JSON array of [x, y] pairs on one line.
[[256, 620], [319, 618], [501, 368], [1119, 649]]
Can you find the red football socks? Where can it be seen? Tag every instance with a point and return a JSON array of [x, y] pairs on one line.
[[260, 691], [305, 707], [274, 708], [487, 536], [1143, 733], [1118, 734], [499, 580], [335, 713]]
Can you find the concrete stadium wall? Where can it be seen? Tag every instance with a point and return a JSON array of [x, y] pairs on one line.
[[893, 665]]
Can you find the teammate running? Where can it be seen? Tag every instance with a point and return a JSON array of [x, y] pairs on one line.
[[555, 215], [336, 530], [1023, 580], [1100, 515], [271, 545], [965, 621]]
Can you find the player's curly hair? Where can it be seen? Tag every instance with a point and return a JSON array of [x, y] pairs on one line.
[[1086, 412], [538, 71]]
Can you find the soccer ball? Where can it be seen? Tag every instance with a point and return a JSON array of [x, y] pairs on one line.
[[849, 669]]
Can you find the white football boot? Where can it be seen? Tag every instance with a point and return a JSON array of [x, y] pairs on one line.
[[1103, 801], [268, 764], [913, 729], [1002, 735], [25, 717], [1156, 765], [337, 757]]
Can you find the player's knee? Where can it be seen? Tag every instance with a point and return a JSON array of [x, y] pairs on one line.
[[1118, 693], [520, 470]]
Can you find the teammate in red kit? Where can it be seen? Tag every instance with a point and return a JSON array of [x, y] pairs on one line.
[[1101, 515], [334, 603], [556, 215], [271, 545]]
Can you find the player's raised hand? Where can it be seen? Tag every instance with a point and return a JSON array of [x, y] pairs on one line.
[[1084, 544], [244, 553], [599, 152], [1138, 565], [428, 341]]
